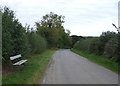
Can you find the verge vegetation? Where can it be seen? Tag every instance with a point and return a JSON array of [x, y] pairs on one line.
[[103, 50], [113, 66], [32, 71]]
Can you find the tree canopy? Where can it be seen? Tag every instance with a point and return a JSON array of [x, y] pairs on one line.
[[51, 28]]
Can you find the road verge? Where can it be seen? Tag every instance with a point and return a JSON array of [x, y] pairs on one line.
[[99, 60], [33, 70]]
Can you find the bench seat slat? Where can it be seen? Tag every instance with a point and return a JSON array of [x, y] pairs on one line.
[[20, 62], [15, 57]]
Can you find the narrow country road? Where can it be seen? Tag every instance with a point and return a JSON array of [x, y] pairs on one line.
[[67, 67]]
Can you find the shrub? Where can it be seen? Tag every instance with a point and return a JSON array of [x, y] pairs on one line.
[[37, 44], [83, 44], [104, 38], [95, 46], [107, 45], [111, 48]]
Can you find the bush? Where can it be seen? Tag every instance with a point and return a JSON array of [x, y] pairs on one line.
[[95, 46], [107, 45], [111, 48], [104, 38], [37, 44], [83, 44]]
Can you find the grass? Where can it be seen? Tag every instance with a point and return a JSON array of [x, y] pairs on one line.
[[33, 70], [99, 60]]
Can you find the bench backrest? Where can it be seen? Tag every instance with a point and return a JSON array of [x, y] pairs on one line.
[[15, 57]]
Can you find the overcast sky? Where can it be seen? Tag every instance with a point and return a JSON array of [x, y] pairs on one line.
[[82, 17]]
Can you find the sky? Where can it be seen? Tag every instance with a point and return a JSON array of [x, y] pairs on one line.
[[82, 17]]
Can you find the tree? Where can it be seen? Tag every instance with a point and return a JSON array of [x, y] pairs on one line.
[[52, 21], [52, 30], [13, 35], [118, 29], [104, 38], [75, 38]]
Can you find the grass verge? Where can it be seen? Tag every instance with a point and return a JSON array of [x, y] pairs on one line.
[[99, 60], [32, 71]]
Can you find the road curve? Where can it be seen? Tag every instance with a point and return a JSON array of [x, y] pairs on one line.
[[69, 68]]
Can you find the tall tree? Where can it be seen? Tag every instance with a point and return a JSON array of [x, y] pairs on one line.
[[52, 20], [51, 28], [13, 35]]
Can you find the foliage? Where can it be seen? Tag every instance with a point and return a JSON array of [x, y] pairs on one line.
[[64, 41], [13, 35], [17, 39], [37, 44], [118, 54], [104, 38], [83, 44], [95, 46], [52, 21], [52, 30], [111, 48], [75, 38], [106, 45]]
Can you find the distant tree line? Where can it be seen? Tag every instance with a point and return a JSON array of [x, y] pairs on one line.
[[106, 45], [16, 39]]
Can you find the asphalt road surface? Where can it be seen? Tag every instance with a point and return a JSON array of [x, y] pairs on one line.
[[67, 67]]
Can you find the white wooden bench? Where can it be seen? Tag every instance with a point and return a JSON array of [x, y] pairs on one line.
[[19, 62]]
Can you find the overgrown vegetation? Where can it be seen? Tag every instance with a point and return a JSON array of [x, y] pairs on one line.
[[16, 39], [106, 45], [32, 71]]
